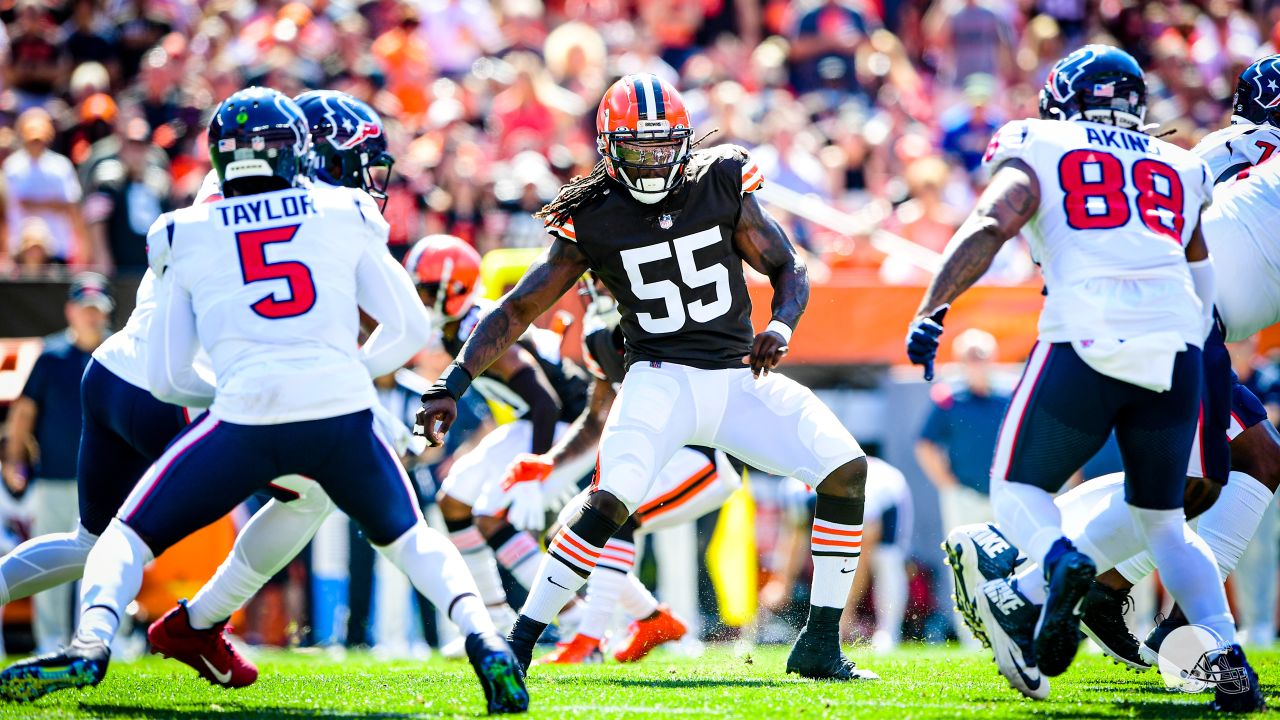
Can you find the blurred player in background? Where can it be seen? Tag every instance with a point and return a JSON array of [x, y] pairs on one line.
[[886, 536], [1130, 290], [548, 392], [290, 381]]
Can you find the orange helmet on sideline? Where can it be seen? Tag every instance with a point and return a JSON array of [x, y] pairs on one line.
[[446, 271], [643, 132]]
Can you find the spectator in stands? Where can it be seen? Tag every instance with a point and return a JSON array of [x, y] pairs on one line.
[[35, 248], [958, 439], [41, 183], [967, 128], [47, 416], [836, 31], [127, 193], [970, 37], [36, 64]]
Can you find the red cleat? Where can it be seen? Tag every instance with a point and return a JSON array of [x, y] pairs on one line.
[[581, 650], [645, 635], [209, 652]]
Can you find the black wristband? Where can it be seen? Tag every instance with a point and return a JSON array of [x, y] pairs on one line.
[[454, 380]]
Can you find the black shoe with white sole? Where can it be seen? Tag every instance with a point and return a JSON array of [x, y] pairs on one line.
[[1010, 620], [1058, 632], [1102, 619]]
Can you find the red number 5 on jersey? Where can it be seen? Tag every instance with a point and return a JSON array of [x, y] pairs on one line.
[[255, 268], [1094, 184]]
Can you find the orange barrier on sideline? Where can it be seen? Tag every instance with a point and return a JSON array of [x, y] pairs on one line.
[[183, 568], [859, 321]]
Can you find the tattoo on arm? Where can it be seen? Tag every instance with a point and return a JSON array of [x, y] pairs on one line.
[[543, 283], [762, 242], [1006, 205]]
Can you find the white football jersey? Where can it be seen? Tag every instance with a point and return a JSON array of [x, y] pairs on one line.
[[886, 488], [1243, 233], [125, 353], [1237, 147], [275, 281], [1117, 208]]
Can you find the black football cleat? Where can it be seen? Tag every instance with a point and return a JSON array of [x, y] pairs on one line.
[[1102, 619], [1150, 648], [499, 673], [816, 653], [1236, 687], [81, 664], [1058, 632], [1010, 619]]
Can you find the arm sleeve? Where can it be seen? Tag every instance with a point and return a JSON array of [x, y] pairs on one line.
[[171, 349], [544, 406], [384, 290]]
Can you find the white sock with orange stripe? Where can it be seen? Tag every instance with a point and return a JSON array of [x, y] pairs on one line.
[[606, 585], [571, 557], [836, 546]]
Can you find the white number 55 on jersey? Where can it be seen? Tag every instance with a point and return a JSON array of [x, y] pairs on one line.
[[669, 292]]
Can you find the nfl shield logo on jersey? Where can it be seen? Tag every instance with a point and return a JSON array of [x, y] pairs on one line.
[[664, 222]]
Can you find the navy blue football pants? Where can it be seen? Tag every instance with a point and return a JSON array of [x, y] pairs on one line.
[[214, 465], [1063, 411], [123, 430]]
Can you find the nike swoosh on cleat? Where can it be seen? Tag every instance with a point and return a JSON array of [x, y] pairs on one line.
[[553, 582], [223, 677], [1031, 684]]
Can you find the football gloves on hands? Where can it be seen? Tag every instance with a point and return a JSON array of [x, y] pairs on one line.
[[922, 340], [527, 509]]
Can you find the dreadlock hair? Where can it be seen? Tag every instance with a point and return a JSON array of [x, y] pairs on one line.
[[582, 189]]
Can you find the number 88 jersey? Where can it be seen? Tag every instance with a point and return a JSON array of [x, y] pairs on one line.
[[1117, 208], [672, 266]]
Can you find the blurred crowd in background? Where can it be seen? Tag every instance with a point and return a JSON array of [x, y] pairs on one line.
[[878, 113], [881, 108]]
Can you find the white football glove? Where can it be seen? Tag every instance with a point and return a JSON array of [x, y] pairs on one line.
[[392, 430], [527, 507]]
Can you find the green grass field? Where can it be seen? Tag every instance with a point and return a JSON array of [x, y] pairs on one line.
[[918, 683]]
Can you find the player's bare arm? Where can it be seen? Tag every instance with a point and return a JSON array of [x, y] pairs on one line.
[[762, 242], [1006, 205], [547, 279], [1004, 208]]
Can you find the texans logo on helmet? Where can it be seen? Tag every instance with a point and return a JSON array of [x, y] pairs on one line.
[[360, 129], [1264, 77], [1062, 78]]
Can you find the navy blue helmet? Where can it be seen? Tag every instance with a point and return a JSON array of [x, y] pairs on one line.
[[1098, 83], [1257, 98], [348, 142], [258, 141]]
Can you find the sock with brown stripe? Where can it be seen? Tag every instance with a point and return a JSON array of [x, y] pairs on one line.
[[836, 545], [571, 557]]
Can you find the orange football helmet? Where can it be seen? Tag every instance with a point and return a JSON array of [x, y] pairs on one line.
[[446, 270], [643, 132]]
